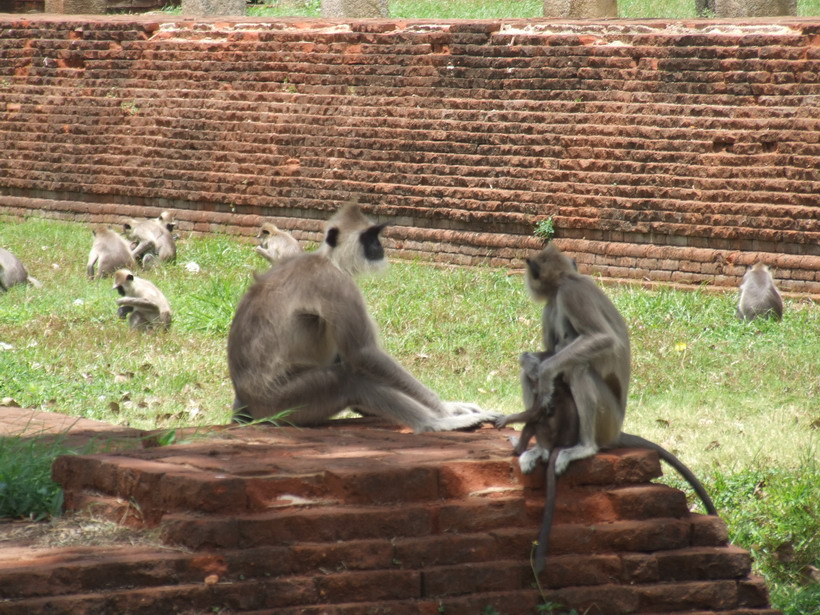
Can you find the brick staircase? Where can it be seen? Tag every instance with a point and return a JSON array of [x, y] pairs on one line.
[[362, 518]]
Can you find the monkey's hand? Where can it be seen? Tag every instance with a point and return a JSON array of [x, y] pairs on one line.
[[529, 362]]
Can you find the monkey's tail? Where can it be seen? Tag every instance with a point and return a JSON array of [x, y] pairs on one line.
[[628, 440], [34, 282], [549, 513]]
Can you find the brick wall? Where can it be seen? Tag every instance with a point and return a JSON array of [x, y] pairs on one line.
[[668, 152]]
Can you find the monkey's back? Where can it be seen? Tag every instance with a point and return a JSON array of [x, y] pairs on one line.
[[281, 323]]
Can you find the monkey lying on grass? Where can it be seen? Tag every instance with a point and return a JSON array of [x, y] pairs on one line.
[[584, 370]]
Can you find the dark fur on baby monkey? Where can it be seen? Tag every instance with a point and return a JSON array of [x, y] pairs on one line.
[[554, 428]]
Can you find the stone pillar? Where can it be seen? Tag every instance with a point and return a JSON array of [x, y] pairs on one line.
[[755, 8], [580, 9], [76, 7], [354, 9], [213, 8]]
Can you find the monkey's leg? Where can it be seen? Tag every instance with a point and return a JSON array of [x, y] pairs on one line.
[[599, 416], [89, 268]]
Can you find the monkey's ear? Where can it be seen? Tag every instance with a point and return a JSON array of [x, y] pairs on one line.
[[534, 268], [332, 237]]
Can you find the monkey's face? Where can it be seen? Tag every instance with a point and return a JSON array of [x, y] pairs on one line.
[[357, 251], [122, 281], [544, 272]]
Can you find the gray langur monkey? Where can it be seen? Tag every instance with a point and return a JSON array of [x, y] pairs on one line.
[[586, 344], [302, 342], [152, 241], [109, 252], [759, 296], [141, 302], [13, 272], [275, 244]]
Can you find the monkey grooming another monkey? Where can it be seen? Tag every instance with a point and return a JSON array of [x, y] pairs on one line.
[[587, 343], [141, 301], [302, 341], [151, 239], [109, 252], [759, 296], [276, 244], [13, 272]]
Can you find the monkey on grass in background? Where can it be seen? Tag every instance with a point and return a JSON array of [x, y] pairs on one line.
[[759, 296], [303, 341], [109, 252], [275, 244], [152, 241], [141, 302], [13, 272]]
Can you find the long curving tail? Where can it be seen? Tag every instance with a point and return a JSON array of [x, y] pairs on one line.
[[549, 513], [628, 440]]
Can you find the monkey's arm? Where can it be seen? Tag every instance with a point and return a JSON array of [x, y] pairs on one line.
[[137, 303], [596, 336], [266, 255], [144, 246]]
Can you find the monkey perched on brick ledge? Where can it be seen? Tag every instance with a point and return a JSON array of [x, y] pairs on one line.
[[302, 341], [586, 365]]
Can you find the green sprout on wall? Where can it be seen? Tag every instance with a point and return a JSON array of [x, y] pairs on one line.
[[545, 229]]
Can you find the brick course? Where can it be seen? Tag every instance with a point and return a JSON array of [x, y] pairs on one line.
[[665, 152]]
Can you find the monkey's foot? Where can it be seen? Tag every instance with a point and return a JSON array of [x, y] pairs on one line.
[[462, 408], [529, 458], [568, 455]]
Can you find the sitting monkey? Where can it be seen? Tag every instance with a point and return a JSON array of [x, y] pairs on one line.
[[141, 302], [302, 341]]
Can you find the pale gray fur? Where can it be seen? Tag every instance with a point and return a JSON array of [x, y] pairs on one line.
[[13, 272], [152, 240], [143, 303], [302, 341], [275, 244], [586, 341], [109, 252], [759, 296]]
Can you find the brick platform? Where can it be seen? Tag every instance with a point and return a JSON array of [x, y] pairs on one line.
[[361, 517]]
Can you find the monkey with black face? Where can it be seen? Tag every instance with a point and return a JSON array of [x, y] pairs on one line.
[[759, 296], [13, 272], [276, 244], [152, 241], [302, 341], [109, 252], [587, 344], [141, 302]]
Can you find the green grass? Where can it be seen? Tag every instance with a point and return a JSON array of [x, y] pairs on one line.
[[736, 401], [500, 9]]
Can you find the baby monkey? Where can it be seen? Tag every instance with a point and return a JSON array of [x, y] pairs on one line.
[[555, 428]]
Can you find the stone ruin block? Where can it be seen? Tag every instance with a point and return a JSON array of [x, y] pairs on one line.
[[580, 9], [213, 8], [354, 9], [754, 8], [76, 7]]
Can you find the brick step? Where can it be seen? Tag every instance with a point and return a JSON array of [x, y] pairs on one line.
[[632, 552], [356, 592]]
